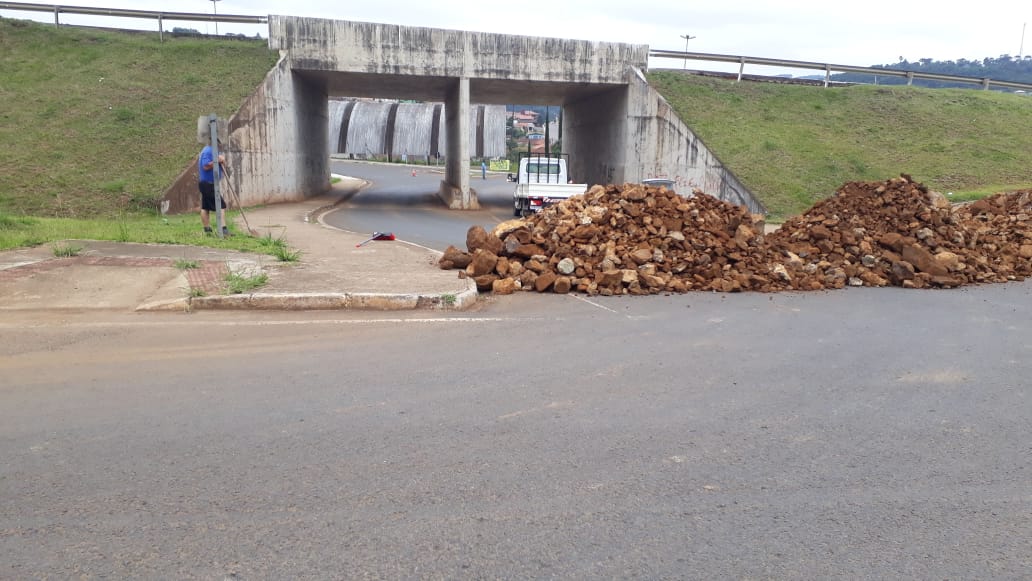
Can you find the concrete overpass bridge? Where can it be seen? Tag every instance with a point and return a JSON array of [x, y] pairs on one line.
[[616, 128]]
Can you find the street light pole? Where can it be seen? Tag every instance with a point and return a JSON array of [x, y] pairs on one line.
[[686, 38], [1022, 49], [216, 12]]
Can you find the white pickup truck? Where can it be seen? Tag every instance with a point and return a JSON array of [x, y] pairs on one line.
[[542, 180]]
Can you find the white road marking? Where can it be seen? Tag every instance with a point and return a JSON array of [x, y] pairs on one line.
[[592, 303]]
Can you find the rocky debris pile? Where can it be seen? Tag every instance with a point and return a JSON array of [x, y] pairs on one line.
[[638, 240], [899, 232], [630, 239]]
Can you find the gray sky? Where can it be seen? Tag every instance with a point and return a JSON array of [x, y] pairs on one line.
[[855, 33]]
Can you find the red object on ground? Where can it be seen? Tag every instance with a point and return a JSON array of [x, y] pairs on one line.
[[377, 236]]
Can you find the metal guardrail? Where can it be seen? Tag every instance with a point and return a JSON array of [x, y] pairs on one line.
[[828, 68], [160, 16], [985, 83]]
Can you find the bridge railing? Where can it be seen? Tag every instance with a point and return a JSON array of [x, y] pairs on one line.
[[160, 16], [828, 68]]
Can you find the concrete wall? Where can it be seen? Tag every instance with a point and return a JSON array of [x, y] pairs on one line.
[[277, 149], [665, 147], [278, 143]]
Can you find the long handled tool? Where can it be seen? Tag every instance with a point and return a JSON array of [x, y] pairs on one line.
[[377, 236], [239, 204]]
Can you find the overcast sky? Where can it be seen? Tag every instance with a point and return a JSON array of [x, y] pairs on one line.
[[854, 33]]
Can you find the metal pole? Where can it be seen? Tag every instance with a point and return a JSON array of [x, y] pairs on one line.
[[161, 30], [1021, 49], [215, 11], [741, 68], [57, 20], [686, 38], [213, 135]]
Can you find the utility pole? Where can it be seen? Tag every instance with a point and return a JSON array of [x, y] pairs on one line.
[[216, 12], [1021, 49], [686, 38]]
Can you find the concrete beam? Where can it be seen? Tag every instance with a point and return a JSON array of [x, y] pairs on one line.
[[317, 44]]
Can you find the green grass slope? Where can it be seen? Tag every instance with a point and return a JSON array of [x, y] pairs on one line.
[[98, 123], [793, 145]]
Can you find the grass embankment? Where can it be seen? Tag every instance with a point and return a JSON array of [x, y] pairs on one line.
[[793, 145], [96, 124], [22, 231]]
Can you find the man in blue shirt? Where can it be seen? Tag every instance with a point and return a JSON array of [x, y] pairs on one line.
[[208, 170]]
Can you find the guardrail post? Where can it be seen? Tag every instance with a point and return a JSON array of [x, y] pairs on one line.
[[57, 19], [741, 67], [985, 84], [827, 76], [910, 78], [161, 30]]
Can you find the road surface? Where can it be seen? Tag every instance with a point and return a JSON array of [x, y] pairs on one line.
[[858, 434], [407, 205]]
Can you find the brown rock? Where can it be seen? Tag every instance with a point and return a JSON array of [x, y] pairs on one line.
[[544, 281], [534, 265], [476, 237], [458, 258], [948, 260], [923, 260], [902, 271], [641, 255], [504, 286], [562, 285], [743, 236], [484, 262], [502, 266], [485, 282], [528, 250], [609, 278]]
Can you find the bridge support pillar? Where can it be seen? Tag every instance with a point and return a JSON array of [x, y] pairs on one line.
[[455, 189]]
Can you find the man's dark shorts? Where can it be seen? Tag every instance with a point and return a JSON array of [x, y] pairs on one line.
[[208, 196]]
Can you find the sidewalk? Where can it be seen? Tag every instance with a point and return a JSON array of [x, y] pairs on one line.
[[332, 272]]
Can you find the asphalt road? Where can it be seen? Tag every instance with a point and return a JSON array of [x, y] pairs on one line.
[[408, 205], [859, 434]]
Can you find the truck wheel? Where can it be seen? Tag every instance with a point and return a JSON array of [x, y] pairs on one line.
[[517, 212]]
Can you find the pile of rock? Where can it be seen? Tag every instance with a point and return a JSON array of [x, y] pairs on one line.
[[632, 239], [899, 232], [638, 240]]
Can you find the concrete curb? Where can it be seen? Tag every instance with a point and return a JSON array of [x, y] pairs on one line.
[[329, 301]]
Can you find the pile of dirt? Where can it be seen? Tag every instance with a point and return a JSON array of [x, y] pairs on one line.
[[635, 239], [899, 232]]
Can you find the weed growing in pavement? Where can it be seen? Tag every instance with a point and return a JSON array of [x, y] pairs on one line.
[[184, 264], [285, 254], [197, 293], [66, 250], [238, 284], [448, 299], [269, 243]]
